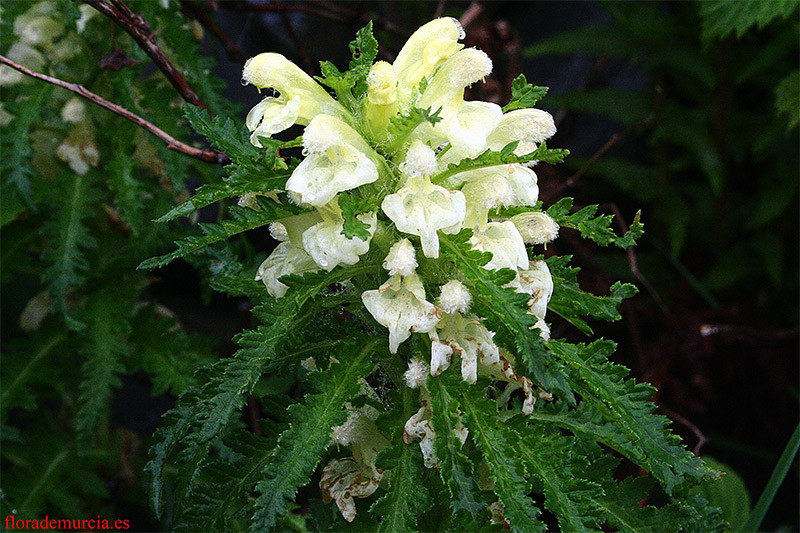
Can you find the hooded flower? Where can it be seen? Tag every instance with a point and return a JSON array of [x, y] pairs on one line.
[[538, 283], [300, 99], [400, 305], [328, 246], [465, 125], [470, 339], [356, 476], [505, 244], [289, 257], [528, 126], [421, 208], [285, 259], [337, 160]]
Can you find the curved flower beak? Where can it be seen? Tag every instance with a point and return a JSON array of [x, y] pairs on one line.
[[300, 100], [528, 126], [424, 51]]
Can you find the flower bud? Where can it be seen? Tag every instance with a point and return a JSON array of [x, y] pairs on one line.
[[455, 297], [401, 259], [536, 227], [420, 160], [417, 373]]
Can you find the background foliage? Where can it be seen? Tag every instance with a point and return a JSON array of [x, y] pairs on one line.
[[702, 99]]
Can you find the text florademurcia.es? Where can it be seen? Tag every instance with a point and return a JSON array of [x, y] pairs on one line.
[[84, 524]]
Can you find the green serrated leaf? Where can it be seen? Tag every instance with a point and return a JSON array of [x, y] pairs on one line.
[[596, 228], [498, 444], [402, 126], [523, 94], [230, 380], [723, 17], [108, 329], [572, 303], [556, 463], [787, 98], [506, 156], [625, 405], [352, 206], [364, 50], [300, 447], [455, 468], [244, 219], [70, 239], [241, 181], [223, 134]]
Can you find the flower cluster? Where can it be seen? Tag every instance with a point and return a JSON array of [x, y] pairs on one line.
[[416, 196]]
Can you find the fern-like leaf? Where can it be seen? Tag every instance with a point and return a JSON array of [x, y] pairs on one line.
[[523, 94], [637, 433], [506, 156], [231, 380], [596, 228], [108, 328], [406, 498], [572, 303], [402, 126], [243, 219], [558, 468], [300, 447], [70, 239], [499, 445], [455, 468]]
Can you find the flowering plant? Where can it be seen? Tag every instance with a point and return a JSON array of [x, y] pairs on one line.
[[410, 297]]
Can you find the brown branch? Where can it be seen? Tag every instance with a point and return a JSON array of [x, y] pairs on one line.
[[244, 5], [138, 28], [701, 439], [209, 155], [201, 13], [614, 139], [633, 261]]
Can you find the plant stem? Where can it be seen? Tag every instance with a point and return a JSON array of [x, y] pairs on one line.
[[775, 480]]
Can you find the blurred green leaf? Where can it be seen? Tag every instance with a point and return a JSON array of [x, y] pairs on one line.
[[723, 17], [787, 98], [728, 493]]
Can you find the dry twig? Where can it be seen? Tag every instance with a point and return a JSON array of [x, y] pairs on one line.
[[138, 28], [201, 13], [208, 155]]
